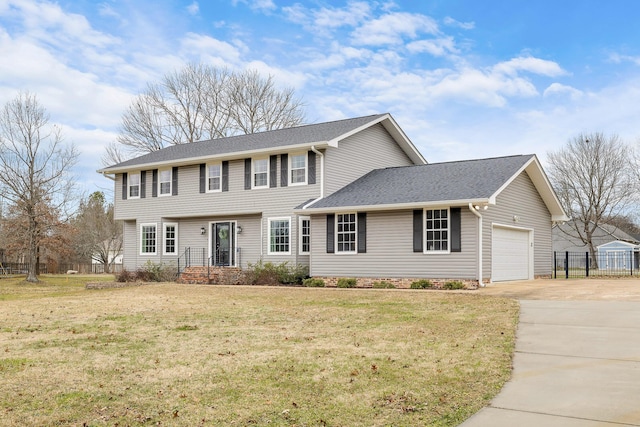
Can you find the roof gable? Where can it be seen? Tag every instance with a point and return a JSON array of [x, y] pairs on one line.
[[321, 134]]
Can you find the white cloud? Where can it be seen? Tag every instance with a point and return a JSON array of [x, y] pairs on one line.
[[391, 29], [351, 16], [437, 47], [557, 89], [464, 25], [48, 23], [617, 58], [258, 5], [211, 50], [193, 8], [529, 64]]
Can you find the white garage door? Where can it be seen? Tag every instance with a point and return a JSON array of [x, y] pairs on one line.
[[510, 254]]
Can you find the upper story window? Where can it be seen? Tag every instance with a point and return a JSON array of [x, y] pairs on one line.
[[164, 182], [260, 173], [214, 177], [298, 169], [134, 185], [346, 233], [437, 230]]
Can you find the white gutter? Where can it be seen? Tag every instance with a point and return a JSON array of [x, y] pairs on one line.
[[112, 178], [319, 153], [476, 213]]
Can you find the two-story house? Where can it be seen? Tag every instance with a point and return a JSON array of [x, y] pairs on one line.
[[349, 198]]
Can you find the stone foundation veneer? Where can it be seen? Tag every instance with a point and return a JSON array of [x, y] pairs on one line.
[[400, 283]]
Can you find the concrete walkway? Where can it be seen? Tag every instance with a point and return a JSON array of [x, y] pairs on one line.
[[577, 363]]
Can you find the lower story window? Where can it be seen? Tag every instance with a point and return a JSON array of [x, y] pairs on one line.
[[170, 239], [305, 235], [437, 228], [279, 236], [346, 232], [148, 239]]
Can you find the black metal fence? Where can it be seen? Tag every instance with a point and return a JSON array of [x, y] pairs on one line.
[[568, 265], [14, 268]]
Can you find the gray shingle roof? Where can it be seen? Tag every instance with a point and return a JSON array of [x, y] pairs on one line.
[[461, 180], [307, 134]]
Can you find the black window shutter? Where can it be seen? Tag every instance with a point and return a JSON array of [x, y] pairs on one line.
[[417, 230], [225, 176], [311, 165], [154, 183], [143, 184], [174, 181], [273, 171], [284, 170], [125, 188], [455, 225], [330, 233], [362, 232], [247, 174], [203, 178]]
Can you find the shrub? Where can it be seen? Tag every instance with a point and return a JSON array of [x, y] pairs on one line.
[[346, 282], [313, 282], [152, 272], [383, 285], [268, 273], [421, 284], [126, 276], [454, 284]]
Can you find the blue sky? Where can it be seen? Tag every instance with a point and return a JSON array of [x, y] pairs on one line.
[[463, 78]]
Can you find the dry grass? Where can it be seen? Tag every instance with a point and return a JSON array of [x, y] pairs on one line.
[[185, 355]]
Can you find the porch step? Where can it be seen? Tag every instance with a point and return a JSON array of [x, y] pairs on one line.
[[214, 275]]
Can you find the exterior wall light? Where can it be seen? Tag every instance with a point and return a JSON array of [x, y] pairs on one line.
[[239, 229], [203, 230]]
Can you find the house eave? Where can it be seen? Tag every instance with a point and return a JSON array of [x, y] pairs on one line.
[[393, 206], [236, 155]]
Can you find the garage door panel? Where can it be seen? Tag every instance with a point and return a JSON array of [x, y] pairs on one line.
[[510, 254]]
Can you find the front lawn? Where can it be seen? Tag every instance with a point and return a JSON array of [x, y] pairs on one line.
[[187, 355]]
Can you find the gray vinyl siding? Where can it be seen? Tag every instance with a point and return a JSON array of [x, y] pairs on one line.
[[192, 210], [520, 199], [390, 251], [373, 148], [129, 245], [191, 203]]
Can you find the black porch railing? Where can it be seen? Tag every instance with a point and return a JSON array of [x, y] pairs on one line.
[[571, 265], [197, 257], [192, 257]]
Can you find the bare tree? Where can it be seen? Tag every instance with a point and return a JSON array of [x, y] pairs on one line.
[[593, 177], [202, 102], [34, 168], [98, 236]]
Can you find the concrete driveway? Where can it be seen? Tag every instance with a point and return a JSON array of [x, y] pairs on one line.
[[624, 289], [577, 358]]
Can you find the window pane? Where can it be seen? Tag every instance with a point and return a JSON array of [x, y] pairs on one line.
[[148, 235], [305, 233], [279, 236], [215, 173], [437, 230], [346, 232], [170, 239], [165, 181]]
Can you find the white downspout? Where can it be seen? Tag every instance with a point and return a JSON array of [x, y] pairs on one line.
[[476, 213], [319, 153]]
